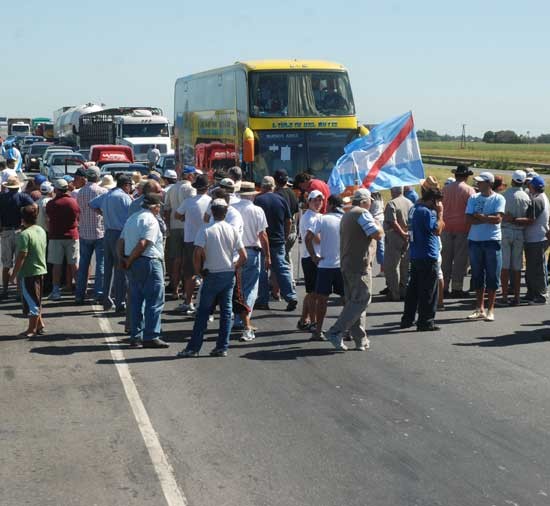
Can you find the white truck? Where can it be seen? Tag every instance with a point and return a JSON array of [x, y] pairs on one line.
[[3, 127], [141, 128]]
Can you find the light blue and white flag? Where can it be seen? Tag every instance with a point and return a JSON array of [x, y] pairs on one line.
[[388, 156]]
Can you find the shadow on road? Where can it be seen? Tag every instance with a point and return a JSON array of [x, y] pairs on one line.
[[293, 353], [516, 338]]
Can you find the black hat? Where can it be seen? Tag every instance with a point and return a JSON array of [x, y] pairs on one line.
[[123, 179], [280, 176], [462, 170], [201, 182]]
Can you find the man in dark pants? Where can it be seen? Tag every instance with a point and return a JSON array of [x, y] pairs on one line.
[[425, 226]]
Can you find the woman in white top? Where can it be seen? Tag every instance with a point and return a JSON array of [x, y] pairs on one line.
[[308, 222]]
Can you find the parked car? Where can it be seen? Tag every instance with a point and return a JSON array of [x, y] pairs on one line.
[[124, 168], [85, 153], [166, 162], [49, 153], [28, 141], [34, 155], [61, 164]]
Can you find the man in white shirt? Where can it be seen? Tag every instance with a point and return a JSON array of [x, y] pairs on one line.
[[175, 196], [213, 258], [141, 253], [329, 275], [191, 211], [255, 242]]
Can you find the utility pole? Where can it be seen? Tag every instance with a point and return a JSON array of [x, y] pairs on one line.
[[463, 137], [528, 136]]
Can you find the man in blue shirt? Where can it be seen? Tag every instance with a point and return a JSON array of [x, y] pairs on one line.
[[114, 207], [425, 226], [410, 193], [278, 217], [484, 212]]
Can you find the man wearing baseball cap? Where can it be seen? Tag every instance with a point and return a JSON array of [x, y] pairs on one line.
[[536, 243], [63, 215], [11, 202], [358, 233], [484, 212], [454, 238], [92, 232], [517, 206], [307, 183]]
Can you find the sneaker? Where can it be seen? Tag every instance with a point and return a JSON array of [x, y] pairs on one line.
[[187, 309], [337, 342], [187, 354], [318, 336], [405, 324], [362, 346], [504, 302], [55, 295], [247, 335], [211, 318], [476, 315], [490, 316], [262, 307], [514, 302], [291, 306], [134, 342], [155, 343], [537, 301], [218, 353]]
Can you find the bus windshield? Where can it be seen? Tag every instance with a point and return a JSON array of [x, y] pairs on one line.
[[300, 94], [145, 130], [300, 151]]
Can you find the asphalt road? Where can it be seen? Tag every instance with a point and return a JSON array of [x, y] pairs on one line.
[[457, 417]]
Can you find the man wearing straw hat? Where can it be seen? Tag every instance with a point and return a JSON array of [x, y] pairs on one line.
[[11, 202]]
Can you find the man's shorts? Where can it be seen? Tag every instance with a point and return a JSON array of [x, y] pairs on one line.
[[329, 281], [60, 249], [310, 274], [31, 291], [486, 264], [187, 265], [9, 243], [174, 243], [512, 249]]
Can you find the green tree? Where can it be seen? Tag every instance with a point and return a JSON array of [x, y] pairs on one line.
[[489, 136]]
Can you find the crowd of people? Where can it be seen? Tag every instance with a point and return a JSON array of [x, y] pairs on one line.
[[226, 244]]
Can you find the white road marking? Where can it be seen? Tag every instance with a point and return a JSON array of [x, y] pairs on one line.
[[172, 493]]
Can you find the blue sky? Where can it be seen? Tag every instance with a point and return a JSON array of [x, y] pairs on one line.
[[484, 64]]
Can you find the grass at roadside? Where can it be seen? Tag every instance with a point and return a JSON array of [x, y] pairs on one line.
[[534, 153]]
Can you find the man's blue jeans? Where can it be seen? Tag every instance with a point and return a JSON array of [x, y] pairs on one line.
[[146, 280], [281, 268], [111, 263], [87, 248], [250, 279], [217, 286]]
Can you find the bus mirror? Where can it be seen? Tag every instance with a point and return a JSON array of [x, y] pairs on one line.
[[248, 145], [362, 130]]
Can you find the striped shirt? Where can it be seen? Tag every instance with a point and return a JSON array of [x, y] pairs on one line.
[[91, 223]]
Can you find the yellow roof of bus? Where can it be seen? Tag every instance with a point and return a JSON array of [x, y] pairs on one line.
[[291, 65]]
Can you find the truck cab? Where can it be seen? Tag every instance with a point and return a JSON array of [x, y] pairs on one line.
[[141, 130], [102, 154]]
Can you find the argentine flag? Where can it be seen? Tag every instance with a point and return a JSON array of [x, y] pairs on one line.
[[388, 156]]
